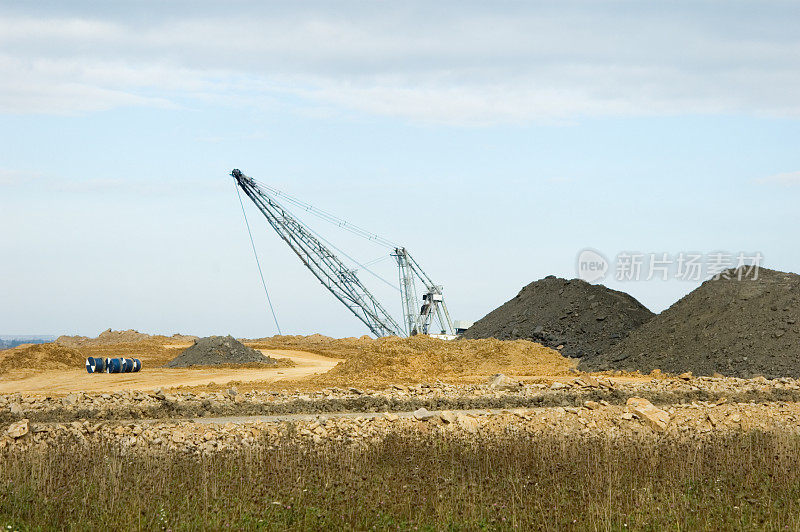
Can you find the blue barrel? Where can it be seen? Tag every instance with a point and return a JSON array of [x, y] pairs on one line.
[[127, 365], [94, 365], [114, 365], [137, 364]]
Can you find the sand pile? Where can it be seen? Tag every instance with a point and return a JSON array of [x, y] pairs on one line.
[[130, 336], [585, 319], [739, 328], [215, 350], [424, 359], [38, 357]]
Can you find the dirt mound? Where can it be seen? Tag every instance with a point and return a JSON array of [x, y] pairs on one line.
[[38, 357], [585, 319], [739, 328], [424, 359], [216, 350], [315, 343], [130, 336]]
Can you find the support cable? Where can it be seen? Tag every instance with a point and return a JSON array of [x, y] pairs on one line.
[[328, 217], [376, 261], [363, 266], [343, 224], [258, 263]]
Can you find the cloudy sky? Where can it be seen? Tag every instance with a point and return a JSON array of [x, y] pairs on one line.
[[496, 140]]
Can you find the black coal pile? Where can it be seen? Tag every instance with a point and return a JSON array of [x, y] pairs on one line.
[[736, 327], [215, 350], [575, 317]]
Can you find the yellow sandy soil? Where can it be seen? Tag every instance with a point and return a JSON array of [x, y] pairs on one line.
[[74, 380], [365, 362]]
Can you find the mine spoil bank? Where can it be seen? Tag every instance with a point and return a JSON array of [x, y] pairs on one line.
[[579, 319], [418, 358], [570, 392], [217, 350], [693, 421], [111, 337], [740, 328], [316, 343], [38, 357]]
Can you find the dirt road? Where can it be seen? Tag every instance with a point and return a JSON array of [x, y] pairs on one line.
[[56, 382]]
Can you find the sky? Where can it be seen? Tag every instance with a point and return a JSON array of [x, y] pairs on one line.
[[494, 140]]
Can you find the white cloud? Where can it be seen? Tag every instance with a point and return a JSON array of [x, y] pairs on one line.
[[786, 178], [515, 64]]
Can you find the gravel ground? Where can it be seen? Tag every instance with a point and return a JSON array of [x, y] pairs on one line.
[[694, 420], [216, 350], [498, 393]]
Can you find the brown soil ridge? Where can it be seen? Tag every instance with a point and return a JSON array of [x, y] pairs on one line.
[[315, 343], [422, 358], [129, 336], [38, 357]]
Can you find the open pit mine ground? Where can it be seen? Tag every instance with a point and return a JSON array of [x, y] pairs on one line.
[[387, 434]]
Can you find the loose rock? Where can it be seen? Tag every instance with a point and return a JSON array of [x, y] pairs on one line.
[[645, 410], [448, 417], [18, 429], [423, 414], [501, 381]]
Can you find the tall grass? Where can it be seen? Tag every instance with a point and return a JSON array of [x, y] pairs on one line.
[[744, 482]]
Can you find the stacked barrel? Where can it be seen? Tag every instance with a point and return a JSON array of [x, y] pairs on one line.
[[95, 365], [113, 365]]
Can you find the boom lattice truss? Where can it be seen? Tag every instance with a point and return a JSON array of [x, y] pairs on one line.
[[343, 282]]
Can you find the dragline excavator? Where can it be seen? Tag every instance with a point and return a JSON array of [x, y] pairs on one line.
[[428, 317]]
